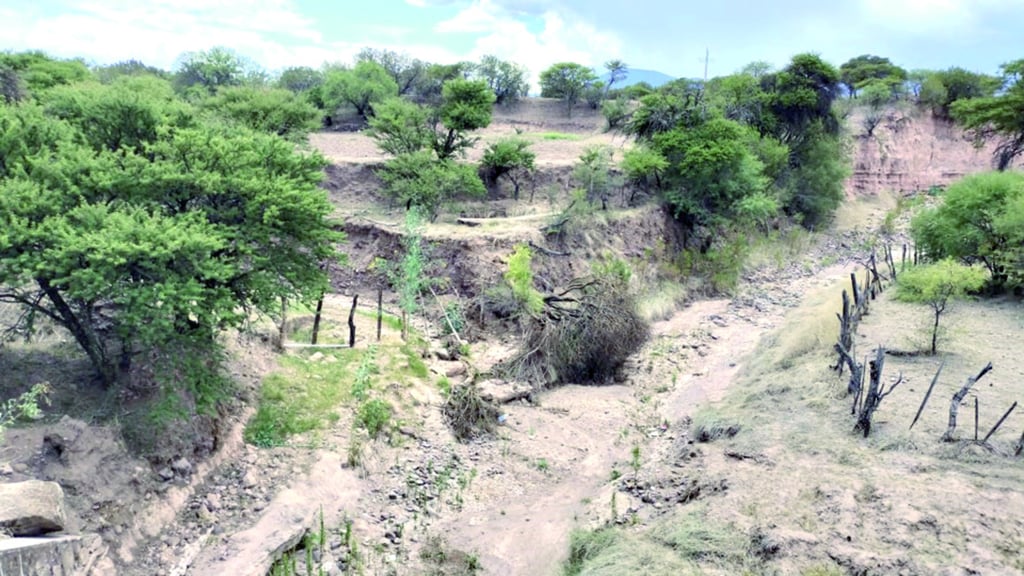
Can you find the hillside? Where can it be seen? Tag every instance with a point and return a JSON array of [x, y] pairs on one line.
[[723, 446]]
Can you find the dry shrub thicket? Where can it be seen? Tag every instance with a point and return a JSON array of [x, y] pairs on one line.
[[583, 334]]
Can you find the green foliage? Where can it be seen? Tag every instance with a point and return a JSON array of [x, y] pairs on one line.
[[593, 172], [978, 221], [643, 167], [594, 93], [112, 72], [409, 280], [374, 416], [758, 209], [814, 187], [566, 81], [403, 69], [617, 72], [37, 72], [206, 71], [999, 116], [400, 127], [466, 105], [857, 72], [710, 169], [300, 79], [25, 406], [659, 113], [510, 158], [942, 88], [802, 96], [132, 235], [615, 111], [936, 284], [519, 278], [361, 88], [301, 396], [273, 111], [506, 79], [420, 179]]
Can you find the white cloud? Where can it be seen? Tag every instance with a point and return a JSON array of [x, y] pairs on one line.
[[157, 31], [921, 17], [563, 37]]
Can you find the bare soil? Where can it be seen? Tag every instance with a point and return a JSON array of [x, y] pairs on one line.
[[897, 503]]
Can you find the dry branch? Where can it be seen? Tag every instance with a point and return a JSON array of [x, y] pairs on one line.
[[928, 394], [954, 405], [1000, 423]]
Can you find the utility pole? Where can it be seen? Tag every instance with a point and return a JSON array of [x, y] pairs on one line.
[[707, 56]]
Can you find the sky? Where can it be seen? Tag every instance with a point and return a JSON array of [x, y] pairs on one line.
[[670, 36]]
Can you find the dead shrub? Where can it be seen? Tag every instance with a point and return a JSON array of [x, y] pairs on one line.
[[583, 334], [467, 413]]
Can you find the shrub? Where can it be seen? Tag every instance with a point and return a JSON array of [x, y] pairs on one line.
[[519, 277], [374, 416], [508, 157], [419, 179], [586, 332]]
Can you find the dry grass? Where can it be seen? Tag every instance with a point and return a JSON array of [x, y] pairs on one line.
[[835, 503]]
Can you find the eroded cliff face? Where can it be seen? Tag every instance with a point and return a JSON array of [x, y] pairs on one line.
[[911, 151]]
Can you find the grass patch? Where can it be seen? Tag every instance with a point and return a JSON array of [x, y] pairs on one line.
[[611, 552], [300, 397], [557, 136], [390, 320], [662, 301], [710, 424]]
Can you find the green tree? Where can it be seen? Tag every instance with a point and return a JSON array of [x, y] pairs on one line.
[[660, 113], [401, 127], [936, 284], [506, 79], [300, 79], [1000, 116], [365, 85], [876, 96], [616, 112], [566, 81], [941, 89], [710, 169], [420, 179], [643, 168], [976, 222], [111, 72], [466, 105], [169, 237], [39, 72], [617, 72], [802, 94], [510, 158], [519, 278], [405, 70], [593, 171], [208, 70], [270, 110], [859, 71]]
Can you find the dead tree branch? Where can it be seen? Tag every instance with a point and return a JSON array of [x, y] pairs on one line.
[[954, 405]]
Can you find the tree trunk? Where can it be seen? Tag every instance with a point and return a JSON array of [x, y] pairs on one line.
[[316, 319], [935, 331], [954, 405], [85, 335], [352, 322]]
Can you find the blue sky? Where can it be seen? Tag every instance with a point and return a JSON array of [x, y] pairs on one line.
[[665, 35]]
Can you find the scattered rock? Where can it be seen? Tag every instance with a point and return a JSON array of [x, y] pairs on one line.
[[213, 502], [31, 508], [165, 474], [182, 467]]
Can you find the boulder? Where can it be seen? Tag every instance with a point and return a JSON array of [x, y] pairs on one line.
[[31, 508]]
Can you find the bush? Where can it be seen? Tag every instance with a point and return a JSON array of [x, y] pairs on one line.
[[979, 221], [420, 179], [509, 157], [586, 332], [616, 112], [519, 277], [374, 416]]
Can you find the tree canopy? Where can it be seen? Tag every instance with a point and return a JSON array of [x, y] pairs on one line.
[[566, 81], [859, 71], [998, 117], [136, 223]]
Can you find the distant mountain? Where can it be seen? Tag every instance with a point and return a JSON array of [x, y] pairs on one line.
[[638, 75]]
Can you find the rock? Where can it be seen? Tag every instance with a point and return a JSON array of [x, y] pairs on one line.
[[250, 479], [31, 508], [19, 467], [182, 466], [213, 502], [316, 356], [165, 474], [456, 369]]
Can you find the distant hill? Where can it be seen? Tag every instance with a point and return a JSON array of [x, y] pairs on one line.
[[638, 75]]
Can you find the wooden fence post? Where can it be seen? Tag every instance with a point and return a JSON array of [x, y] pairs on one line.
[[316, 319], [352, 322]]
